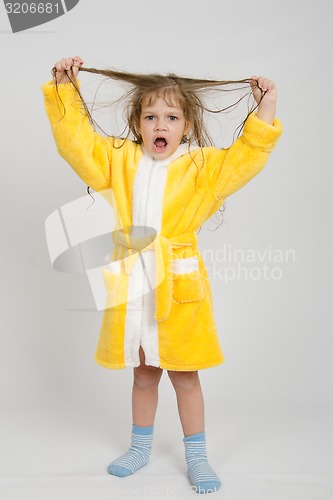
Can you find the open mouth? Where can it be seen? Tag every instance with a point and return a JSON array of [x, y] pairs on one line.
[[160, 143]]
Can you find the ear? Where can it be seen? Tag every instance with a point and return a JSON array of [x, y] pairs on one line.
[[187, 128]]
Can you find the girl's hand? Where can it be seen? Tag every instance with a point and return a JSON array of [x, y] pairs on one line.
[[267, 107], [70, 64], [260, 83]]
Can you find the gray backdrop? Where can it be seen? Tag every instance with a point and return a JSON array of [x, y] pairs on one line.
[[268, 407]]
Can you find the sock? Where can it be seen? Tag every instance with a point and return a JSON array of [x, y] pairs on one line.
[[202, 476], [138, 454]]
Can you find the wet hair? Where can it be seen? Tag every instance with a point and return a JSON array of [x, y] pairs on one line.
[[188, 93]]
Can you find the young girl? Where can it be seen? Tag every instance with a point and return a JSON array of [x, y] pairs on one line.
[[169, 178]]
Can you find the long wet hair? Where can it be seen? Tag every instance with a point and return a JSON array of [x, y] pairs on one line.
[[188, 92]]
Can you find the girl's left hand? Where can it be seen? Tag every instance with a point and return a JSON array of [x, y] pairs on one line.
[[260, 83]]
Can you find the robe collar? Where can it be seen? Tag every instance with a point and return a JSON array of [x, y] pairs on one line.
[[182, 150]]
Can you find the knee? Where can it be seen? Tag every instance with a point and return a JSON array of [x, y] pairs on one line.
[[184, 380], [147, 377]]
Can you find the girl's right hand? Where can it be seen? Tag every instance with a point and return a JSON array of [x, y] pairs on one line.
[[71, 64]]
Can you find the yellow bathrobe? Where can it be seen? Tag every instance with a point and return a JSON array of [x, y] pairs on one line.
[[197, 184]]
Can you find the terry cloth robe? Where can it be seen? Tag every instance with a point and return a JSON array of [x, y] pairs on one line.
[[174, 320]]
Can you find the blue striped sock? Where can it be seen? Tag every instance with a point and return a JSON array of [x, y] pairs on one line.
[[202, 476], [138, 454]]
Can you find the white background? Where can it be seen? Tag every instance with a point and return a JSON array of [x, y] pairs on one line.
[[269, 406]]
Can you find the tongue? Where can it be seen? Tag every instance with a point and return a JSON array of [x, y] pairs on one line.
[[160, 142]]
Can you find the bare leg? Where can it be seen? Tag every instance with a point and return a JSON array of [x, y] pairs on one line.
[[189, 400], [145, 392], [144, 405], [191, 411]]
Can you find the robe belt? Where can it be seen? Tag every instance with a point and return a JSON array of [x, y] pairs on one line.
[[163, 261]]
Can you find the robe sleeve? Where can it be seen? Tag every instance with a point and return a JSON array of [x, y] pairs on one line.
[[87, 152], [230, 169]]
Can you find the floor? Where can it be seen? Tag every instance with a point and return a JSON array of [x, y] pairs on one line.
[[262, 454]]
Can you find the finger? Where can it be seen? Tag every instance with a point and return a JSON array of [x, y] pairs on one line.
[[254, 81], [78, 61], [265, 84], [73, 64], [270, 85], [59, 67], [260, 82], [255, 86], [68, 62]]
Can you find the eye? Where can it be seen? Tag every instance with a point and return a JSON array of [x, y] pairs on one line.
[[173, 118], [149, 117]]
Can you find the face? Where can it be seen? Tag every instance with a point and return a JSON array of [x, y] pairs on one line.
[[162, 126]]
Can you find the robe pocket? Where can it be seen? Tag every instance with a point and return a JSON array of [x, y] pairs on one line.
[[186, 280]]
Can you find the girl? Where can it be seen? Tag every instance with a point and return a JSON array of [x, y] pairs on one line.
[[169, 178]]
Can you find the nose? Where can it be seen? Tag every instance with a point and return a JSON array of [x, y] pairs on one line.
[[160, 125]]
